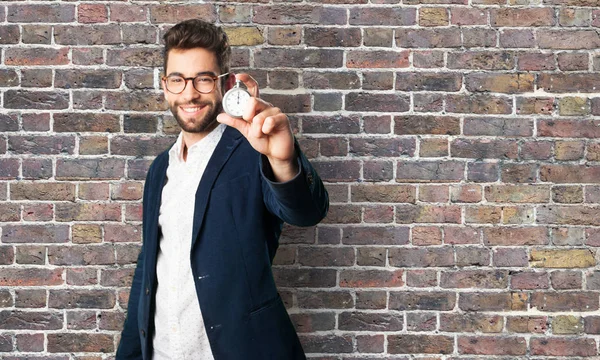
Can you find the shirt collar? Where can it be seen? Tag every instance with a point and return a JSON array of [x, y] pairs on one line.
[[176, 151]]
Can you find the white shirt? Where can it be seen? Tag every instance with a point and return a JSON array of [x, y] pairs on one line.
[[179, 328]]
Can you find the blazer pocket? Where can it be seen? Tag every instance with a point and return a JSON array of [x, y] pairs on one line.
[[267, 305], [230, 187]]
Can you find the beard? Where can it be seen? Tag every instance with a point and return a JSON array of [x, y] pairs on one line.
[[201, 123]]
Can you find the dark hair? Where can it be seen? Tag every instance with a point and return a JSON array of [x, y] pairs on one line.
[[195, 33]]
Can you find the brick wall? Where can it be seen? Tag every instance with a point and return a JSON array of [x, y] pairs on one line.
[[456, 137]]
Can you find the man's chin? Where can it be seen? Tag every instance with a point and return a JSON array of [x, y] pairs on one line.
[[191, 126]]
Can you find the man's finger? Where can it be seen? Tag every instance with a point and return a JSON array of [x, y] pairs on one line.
[[250, 83], [255, 106], [241, 125]]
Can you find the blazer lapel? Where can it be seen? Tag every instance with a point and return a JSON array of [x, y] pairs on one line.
[[229, 141]]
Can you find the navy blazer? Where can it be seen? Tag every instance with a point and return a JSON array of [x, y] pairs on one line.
[[238, 218]]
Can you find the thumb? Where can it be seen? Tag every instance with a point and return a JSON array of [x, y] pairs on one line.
[[240, 124]]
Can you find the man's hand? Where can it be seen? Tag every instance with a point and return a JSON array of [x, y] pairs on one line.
[[267, 130]]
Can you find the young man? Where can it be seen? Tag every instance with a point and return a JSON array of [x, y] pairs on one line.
[[214, 204]]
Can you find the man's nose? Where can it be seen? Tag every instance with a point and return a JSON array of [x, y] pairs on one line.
[[190, 92]]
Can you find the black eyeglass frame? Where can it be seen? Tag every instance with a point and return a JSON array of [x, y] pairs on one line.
[[186, 79]]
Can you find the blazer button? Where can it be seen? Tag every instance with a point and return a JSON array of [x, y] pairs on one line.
[[143, 333], [147, 291]]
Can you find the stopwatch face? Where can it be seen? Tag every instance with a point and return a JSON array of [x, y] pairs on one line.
[[234, 101]]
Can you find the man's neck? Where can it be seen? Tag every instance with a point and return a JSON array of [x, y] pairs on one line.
[[189, 138]]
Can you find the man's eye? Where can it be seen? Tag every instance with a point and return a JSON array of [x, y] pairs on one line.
[[204, 80], [175, 80]]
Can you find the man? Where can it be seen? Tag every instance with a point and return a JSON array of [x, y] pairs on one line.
[[213, 208]]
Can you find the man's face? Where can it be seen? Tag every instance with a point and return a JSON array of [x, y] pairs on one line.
[[195, 112]]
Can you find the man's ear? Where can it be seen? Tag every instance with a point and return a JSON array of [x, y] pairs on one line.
[[229, 82]]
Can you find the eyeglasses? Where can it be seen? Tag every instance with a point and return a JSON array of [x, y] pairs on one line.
[[204, 84]]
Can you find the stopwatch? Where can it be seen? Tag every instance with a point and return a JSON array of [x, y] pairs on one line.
[[235, 100]]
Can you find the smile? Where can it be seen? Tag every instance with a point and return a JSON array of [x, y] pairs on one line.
[[191, 110]]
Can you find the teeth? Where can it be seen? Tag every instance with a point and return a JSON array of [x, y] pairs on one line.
[[190, 110]]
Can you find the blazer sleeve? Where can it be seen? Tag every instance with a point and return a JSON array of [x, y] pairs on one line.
[[130, 346], [301, 201]]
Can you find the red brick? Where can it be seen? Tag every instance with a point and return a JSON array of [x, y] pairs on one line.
[[38, 212], [48, 233], [81, 299], [483, 214], [81, 255], [9, 34], [569, 301], [326, 256], [428, 38], [421, 257], [139, 56], [30, 342], [85, 169], [87, 35], [375, 235], [515, 17], [571, 215], [434, 193], [528, 280], [421, 278], [573, 61], [301, 58], [325, 299], [426, 81], [466, 193], [509, 236], [527, 324], [32, 13], [370, 343], [461, 235], [519, 173], [382, 37], [484, 149], [30, 320], [563, 346], [478, 104], [429, 171], [88, 212], [377, 59], [471, 322], [111, 320], [468, 16], [40, 100], [31, 277], [92, 13], [378, 147], [117, 277], [569, 128], [127, 12], [426, 235], [492, 345], [327, 343], [73, 79], [568, 39], [499, 83], [518, 38], [80, 342], [332, 37], [394, 16], [486, 279], [371, 278], [420, 344], [518, 193], [82, 276], [331, 80], [42, 191], [493, 301], [359, 321], [407, 214], [481, 60], [304, 277], [371, 256]]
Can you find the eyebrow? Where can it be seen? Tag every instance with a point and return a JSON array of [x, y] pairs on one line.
[[197, 74]]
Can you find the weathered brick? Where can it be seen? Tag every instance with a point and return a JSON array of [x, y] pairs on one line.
[[426, 235], [421, 278], [36, 78], [433, 16], [35, 255], [484, 149], [383, 193], [483, 214], [142, 56], [72, 79], [527, 324], [85, 169], [81, 255], [567, 324], [421, 257], [84, 35], [301, 58], [371, 278], [284, 35], [331, 80], [495, 301], [499, 83], [81, 299], [429, 171], [394, 16], [34, 298], [325, 299], [377, 59], [569, 301], [38, 212], [31, 277], [326, 256], [556, 346], [80, 342], [9, 34], [573, 61], [471, 322], [358, 321], [482, 172], [571, 215], [371, 256], [518, 193], [519, 173], [566, 279], [40, 100], [518, 38], [490, 279], [528, 280], [568, 39], [10, 212], [433, 147], [47, 233], [571, 258], [492, 345], [305, 277], [427, 214], [428, 38], [478, 104], [481, 60], [426, 81], [468, 16], [30, 320], [88, 212], [375, 235], [472, 256], [327, 343], [82, 276], [338, 171], [420, 344], [382, 37], [30, 342], [139, 146], [86, 122], [536, 62], [461, 235], [31, 13], [525, 17]]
